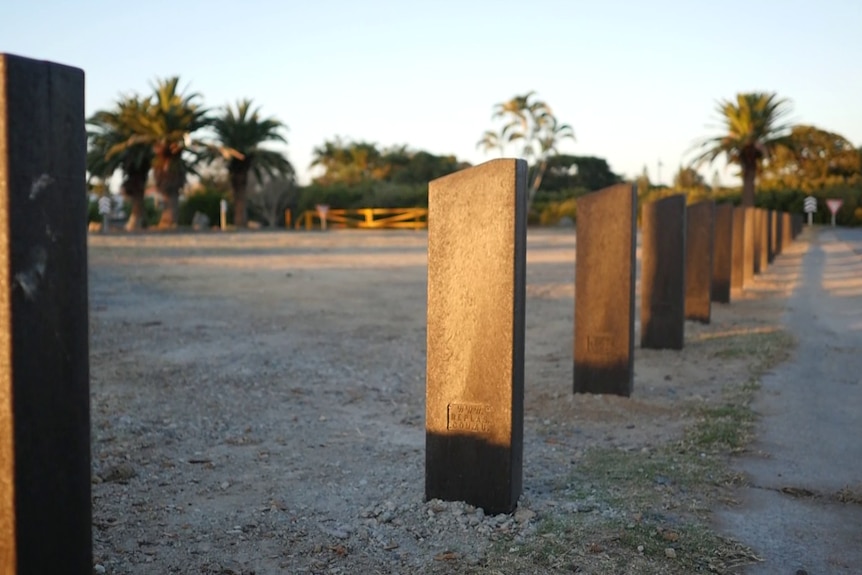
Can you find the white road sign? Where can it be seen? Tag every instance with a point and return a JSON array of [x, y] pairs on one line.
[[834, 205]]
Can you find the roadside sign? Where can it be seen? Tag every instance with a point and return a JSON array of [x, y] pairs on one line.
[[834, 206], [810, 208], [105, 211], [104, 205]]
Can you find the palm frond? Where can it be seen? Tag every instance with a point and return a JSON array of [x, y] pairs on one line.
[[752, 125], [113, 143]]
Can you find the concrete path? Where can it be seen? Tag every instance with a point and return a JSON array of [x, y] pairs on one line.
[[809, 445]]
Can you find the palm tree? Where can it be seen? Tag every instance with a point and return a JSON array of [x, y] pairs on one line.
[[240, 132], [167, 125], [109, 130], [548, 138], [492, 141], [531, 122], [349, 162], [753, 128]]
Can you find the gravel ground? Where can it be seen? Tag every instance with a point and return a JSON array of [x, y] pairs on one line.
[[258, 403]]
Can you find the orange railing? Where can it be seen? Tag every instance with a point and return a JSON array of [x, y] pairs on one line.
[[367, 218]]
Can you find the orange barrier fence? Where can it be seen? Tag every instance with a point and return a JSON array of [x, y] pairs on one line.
[[367, 218]]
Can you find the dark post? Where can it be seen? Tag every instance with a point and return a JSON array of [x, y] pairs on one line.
[[699, 238], [722, 253], [475, 358], [763, 227], [45, 514], [770, 225], [737, 270], [749, 234], [605, 291], [663, 274], [786, 229], [779, 233], [757, 265]]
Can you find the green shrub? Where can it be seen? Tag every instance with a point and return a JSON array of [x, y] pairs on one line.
[[553, 212], [549, 207], [389, 195], [207, 202], [793, 201], [363, 195], [336, 196], [93, 214], [152, 212]]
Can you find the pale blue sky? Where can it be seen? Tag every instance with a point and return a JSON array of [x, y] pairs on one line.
[[638, 80]]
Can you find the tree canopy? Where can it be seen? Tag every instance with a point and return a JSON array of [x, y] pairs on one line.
[[108, 133], [161, 134], [352, 162], [687, 178], [169, 134], [568, 172], [814, 159]]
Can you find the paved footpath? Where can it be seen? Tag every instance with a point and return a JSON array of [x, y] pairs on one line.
[[809, 436]]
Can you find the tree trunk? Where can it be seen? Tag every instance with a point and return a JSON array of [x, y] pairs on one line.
[[170, 182], [170, 187], [170, 212], [239, 183], [537, 181], [749, 173], [134, 187]]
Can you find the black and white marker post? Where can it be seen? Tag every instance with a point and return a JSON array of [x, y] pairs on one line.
[[810, 208]]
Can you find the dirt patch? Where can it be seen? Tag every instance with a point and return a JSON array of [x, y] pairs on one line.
[[258, 406]]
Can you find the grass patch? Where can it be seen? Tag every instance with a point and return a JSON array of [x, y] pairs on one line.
[[641, 546], [645, 513], [691, 548], [765, 349], [728, 428], [553, 547], [636, 481], [648, 511], [725, 428]]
